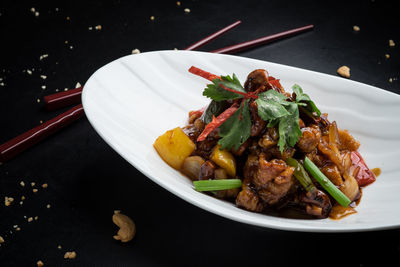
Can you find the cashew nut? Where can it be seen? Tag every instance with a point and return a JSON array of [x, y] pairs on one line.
[[127, 227], [344, 71]]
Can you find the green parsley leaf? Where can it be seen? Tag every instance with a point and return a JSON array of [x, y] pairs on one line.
[[232, 83], [300, 96], [273, 95], [271, 105], [236, 130], [289, 129], [217, 93]]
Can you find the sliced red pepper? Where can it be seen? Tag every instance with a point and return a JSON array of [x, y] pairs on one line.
[[275, 82], [364, 176], [217, 121], [209, 76], [202, 73]]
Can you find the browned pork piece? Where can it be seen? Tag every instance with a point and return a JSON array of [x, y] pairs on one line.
[[248, 198], [309, 139], [268, 182], [316, 203], [256, 80]]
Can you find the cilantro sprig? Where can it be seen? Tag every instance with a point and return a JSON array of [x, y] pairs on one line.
[[236, 130], [217, 90], [273, 107]]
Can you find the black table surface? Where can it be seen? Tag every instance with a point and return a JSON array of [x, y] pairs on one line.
[[87, 180]]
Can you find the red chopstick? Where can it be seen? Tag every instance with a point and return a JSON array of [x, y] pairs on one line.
[[212, 36], [63, 99], [20, 143], [73, 96], [260, 41]]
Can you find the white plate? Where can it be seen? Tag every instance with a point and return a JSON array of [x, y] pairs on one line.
[[133, 100]]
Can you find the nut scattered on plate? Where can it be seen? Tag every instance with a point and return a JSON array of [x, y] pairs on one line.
[[356, 28], [40, 263], [135, 51], [8, 201], [391, 43], [127, 228], [1, 239], [70, 255], [344, 71]]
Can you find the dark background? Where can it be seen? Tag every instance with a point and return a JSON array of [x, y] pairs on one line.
[[88, 180]]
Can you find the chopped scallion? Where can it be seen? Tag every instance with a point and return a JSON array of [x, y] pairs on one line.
[[301, 174], [213, 185], [315, 172]]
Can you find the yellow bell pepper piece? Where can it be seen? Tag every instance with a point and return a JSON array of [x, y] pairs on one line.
[[224, 159], [174, 146]]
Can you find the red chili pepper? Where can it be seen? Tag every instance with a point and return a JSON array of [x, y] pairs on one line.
[[211, 77], [275, 82], [217, 121], [202, 73], [364, 176]]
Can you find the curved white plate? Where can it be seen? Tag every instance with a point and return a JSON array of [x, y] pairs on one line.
[[133, 100]]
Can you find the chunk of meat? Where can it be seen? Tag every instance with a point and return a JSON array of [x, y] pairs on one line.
[[317, 158], [317, 203], [250, 167], [347, 141], [204, 148], [194, 130], [269, 139], [256, 79], [248, 199], [273, 180], [257, 124], [288, 152], [207, 170], [309, 139], [331, 154], [333, 174], [278, 188], [267, 171]]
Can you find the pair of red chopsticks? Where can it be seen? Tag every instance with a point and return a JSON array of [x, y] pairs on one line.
[[20, 143]]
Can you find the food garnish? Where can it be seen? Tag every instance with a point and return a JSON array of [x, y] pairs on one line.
[[273, 107]]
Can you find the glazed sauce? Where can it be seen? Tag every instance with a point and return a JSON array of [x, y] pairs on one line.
[[376, 171], [338, 212]]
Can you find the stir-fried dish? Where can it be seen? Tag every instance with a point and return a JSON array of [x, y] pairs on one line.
[[267, 150]]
